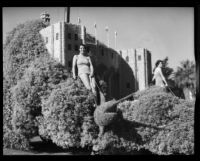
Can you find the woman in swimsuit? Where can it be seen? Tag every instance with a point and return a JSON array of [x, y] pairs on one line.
[[85, 69], [158, 75]]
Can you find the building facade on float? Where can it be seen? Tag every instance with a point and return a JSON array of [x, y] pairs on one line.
[[124, 71]]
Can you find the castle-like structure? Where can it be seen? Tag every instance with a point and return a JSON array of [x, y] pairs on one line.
[[124, 71]]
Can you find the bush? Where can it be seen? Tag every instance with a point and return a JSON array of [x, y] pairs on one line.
[[11, 139], [155, 109], [89, 132], [15, 140], [148, 91], [178, 138], [157, 121], [7, 105], [119, 138], [36, 84], [23, 44], [68, 115], [152, 107]]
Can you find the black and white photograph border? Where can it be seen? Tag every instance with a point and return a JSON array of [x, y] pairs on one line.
[[125, 80]]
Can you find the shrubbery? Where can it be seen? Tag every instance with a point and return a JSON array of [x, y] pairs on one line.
[[11, 139], [120, 137], [157, 121], [23, 44], [155, 108], [178, 138], [7, 105], [68, 115], [15, 140], [37, 83]]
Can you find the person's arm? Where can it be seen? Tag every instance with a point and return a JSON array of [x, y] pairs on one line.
[[163, 78], [74, 66], [153, 77], [91, 68]]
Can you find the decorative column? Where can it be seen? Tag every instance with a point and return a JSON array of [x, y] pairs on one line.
[[79, 20], [95, 32], [67, 14], [115, 40], [107, 33], [83, 34]]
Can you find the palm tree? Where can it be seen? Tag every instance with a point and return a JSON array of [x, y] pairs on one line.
[[167, 71], [184, 77]]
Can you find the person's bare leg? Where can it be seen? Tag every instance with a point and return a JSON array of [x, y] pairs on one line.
[[93, 85], [86, 81]]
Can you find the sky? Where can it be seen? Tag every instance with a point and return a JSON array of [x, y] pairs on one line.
[[164, 31]]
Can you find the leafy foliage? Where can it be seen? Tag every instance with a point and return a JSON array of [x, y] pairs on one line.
[[89, 132], [36, 84], [22, 45], [156, 121], [112, 144], [7, 105], [15, 140], [164, 122], [167, 71], [185, 74], [178, 138], [120, 137], [184, 77], [65, 115]]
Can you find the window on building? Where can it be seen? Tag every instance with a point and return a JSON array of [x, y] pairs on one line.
[[76, 36], [69, 47], [69, 36], [112, 55], [127, 59], [127, 85], [46, 40], [102, 52], [57, 36], [76, 47], [139, 57], [69, 64]]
